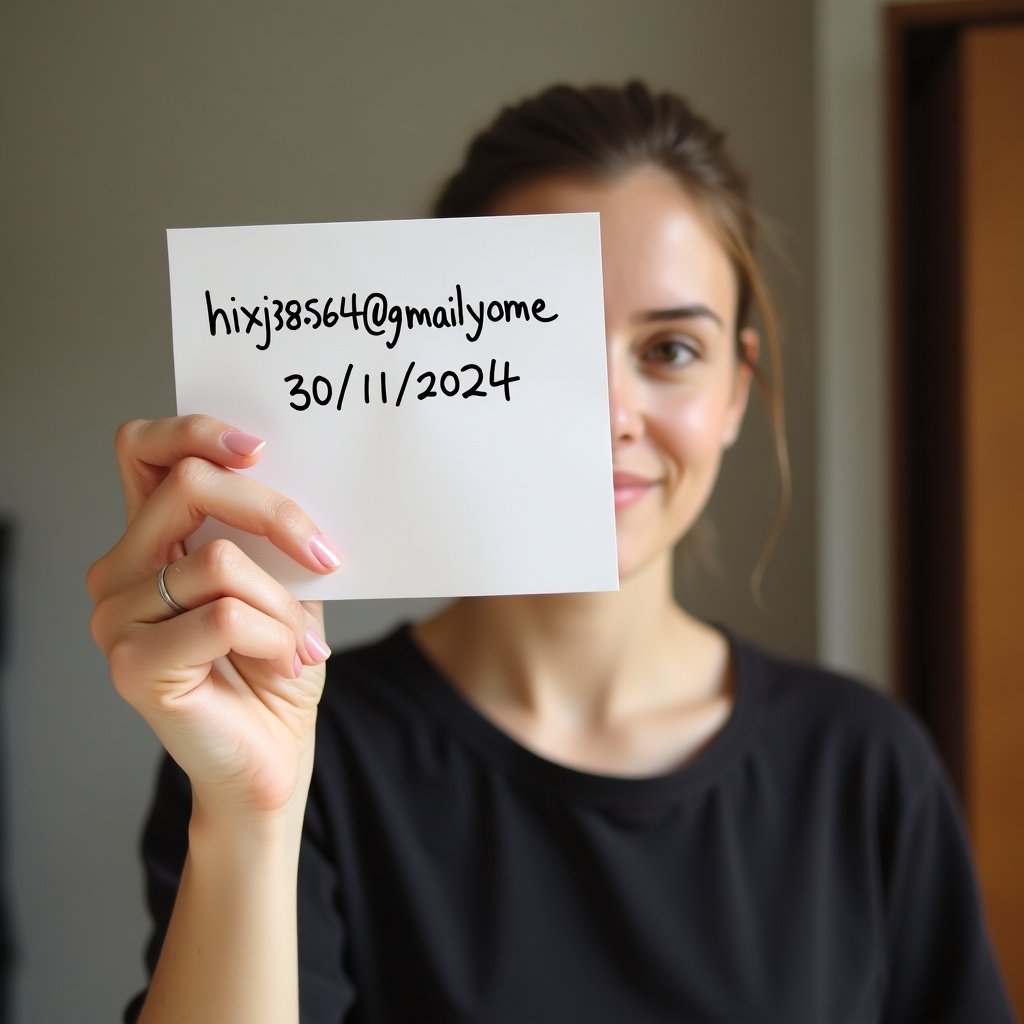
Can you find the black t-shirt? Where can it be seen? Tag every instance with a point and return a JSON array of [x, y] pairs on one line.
[[810, 866]]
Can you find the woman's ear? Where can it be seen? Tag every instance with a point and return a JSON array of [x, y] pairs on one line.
[[749, 346]]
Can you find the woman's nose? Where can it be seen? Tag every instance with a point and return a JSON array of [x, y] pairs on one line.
[[624, 402]]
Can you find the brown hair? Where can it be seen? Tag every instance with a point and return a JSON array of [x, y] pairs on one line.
[[603, 132]]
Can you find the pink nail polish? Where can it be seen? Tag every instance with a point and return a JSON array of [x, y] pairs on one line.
[[316, 647], [324, 551], [240, 443], [298, 666]]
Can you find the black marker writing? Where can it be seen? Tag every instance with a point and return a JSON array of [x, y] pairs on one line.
[[375, 314], [468, 381]]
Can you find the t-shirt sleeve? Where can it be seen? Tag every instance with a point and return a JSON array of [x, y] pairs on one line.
[[325, 992], [941, 965]]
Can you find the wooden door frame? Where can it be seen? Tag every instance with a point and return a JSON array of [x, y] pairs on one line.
[[927, 611]]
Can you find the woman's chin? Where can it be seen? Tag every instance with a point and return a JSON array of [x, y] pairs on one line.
[[637, 564]]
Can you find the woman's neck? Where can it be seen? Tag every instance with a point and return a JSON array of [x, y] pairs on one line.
[[582, 658]]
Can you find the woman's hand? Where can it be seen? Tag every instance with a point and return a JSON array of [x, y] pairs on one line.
[[230, 685]]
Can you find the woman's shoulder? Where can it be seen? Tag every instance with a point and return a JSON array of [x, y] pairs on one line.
[[376, 673], [816, 686], [378, 697], [836, 717]]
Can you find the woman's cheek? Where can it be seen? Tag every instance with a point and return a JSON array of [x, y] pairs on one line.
[[690, 428]]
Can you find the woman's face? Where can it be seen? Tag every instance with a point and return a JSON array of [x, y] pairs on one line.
[[677, 390]]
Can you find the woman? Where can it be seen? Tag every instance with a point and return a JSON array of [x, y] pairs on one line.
[[563, 808]]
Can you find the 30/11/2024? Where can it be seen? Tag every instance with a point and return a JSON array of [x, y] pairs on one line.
[[467, 382]]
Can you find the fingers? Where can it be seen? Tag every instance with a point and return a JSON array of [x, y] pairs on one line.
[[191, 491], [147, 449], [223, 683], [215, 571], [176, 473], [167, 663]]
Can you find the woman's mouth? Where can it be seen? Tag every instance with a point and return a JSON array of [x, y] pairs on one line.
[[630, 488]]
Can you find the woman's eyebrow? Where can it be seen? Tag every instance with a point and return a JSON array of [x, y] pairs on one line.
[[690, 312]]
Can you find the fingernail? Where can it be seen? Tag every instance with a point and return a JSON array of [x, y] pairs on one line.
[[298, 666], [316, 647], [326, 554], [240, 443]]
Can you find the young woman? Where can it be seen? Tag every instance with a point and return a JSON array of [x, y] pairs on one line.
[[568, 808]]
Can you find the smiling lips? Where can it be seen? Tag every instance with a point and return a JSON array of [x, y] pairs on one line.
[[630, 487]]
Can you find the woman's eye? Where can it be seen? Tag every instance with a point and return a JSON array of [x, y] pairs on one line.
[[670, 352]]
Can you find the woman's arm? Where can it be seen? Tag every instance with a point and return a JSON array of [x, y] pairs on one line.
[[229, 680], [230, 950], [941, 964]]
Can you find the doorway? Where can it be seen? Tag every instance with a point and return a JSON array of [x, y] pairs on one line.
[[956, 275]]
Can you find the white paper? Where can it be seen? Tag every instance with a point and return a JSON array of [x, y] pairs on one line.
[[438, 496]]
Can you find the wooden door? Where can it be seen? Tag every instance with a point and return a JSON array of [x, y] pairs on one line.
[[956, 97], [992, 104]]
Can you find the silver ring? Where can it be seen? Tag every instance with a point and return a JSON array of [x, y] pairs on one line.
[[161, 585]]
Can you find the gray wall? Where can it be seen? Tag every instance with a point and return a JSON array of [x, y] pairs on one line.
[[120, 119]]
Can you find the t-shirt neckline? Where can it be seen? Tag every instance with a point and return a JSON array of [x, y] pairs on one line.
[[443, 700]]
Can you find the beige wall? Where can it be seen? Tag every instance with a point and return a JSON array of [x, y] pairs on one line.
[[120, 119], [853, 363]]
